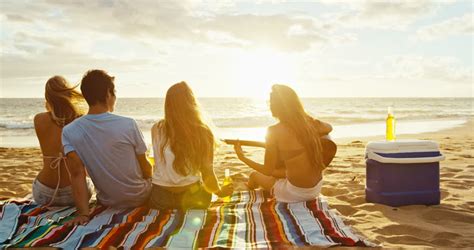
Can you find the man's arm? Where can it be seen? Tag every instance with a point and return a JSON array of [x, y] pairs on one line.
[[77, 175], [145, 166]]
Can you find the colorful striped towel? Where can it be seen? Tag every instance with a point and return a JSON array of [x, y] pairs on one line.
[[250, 220]]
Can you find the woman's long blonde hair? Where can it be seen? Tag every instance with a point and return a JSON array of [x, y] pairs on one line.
[[62, 100], [184, 130], [286, 106]]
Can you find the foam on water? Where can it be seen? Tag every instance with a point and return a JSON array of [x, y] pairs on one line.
[[258, 133], [247, 118]]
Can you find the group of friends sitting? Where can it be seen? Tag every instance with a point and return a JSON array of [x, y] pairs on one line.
[[106, 152]]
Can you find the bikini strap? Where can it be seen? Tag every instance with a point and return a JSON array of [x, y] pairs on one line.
[[56, 164]]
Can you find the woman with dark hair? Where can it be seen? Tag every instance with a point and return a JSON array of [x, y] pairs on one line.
[[293, 164], [52, 186], [183, 146]]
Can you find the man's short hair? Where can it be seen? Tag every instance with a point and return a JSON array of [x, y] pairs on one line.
[[95, 85]]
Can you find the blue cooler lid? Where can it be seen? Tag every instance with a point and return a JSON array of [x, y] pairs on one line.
[[404, 151]]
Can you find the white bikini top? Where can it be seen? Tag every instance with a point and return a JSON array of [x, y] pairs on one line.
[[164, 173]]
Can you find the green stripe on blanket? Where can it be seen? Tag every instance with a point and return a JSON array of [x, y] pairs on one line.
[[250, 220]]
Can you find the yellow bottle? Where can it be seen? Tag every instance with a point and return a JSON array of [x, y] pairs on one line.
[[151, 157], [390, 123], [227, 181]]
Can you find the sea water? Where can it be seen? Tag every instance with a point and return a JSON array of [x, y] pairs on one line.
[[246, 118]]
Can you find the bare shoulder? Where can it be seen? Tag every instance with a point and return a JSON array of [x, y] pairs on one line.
[[42, 120], [158, 125], [157, 128], [273, 129], [278, 131], [41, 116]]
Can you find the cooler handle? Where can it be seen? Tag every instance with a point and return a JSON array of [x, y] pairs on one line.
[[382, 159]]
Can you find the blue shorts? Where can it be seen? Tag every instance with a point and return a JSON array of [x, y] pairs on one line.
[[43, 194]]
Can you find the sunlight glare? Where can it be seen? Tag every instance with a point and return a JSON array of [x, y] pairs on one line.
[[257, 70]]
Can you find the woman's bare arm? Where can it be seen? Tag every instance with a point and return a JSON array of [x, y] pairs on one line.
[[270, 161], [210, 180]]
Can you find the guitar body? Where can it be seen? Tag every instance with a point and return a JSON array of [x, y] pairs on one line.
[[329, 147]]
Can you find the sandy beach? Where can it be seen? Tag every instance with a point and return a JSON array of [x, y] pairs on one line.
[[450, 224]]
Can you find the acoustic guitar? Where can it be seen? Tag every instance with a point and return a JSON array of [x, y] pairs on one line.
[[329, 147]]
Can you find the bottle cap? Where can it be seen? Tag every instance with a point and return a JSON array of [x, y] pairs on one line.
[[390, 110], [227, 172]]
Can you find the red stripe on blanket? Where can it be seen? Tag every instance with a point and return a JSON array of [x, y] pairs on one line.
[[274, 230], [120, 232], [328, 227], [154, 229]]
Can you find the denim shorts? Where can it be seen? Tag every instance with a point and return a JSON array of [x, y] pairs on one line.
[[43, 194], [195, 197]]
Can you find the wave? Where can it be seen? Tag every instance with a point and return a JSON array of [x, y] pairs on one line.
[[16, 125], [145, 123]]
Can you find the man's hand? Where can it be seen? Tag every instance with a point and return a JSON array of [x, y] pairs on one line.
[[145, 166], [81, 196], [78, 220]]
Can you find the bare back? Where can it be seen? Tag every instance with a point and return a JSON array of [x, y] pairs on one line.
[[49, 137], [291, 153]]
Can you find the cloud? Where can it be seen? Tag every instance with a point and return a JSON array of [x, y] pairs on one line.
[[279, 31], [391, 15], [58, 61], [403, 67], [18, 18], [444, 69], [45, 37], [177, 20], [463, 25]]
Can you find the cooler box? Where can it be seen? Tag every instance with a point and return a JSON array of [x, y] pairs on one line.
[[403, 172]]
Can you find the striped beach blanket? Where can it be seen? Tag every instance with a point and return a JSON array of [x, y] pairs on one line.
[[251, 219]]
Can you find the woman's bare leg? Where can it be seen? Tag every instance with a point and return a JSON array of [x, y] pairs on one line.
[[257, 179]]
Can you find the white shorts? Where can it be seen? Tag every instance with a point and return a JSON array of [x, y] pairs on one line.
[[284, 191], [43, 194]]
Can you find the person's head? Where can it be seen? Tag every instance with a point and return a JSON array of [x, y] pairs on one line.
[[98, 88], [286, 106], [61, 100], [189, 137], [285, 103]]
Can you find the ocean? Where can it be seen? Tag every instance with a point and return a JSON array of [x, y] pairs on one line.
[[246, 118]]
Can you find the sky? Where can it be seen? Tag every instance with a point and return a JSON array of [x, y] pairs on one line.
[[412, 48]]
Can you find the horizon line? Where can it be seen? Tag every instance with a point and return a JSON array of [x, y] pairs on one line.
[[250, 97]]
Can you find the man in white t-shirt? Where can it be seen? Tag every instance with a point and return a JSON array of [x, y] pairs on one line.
[[110, 147]]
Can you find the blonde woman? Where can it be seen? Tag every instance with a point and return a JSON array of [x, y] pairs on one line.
[[183, 147], [293, 165], [52, 186]]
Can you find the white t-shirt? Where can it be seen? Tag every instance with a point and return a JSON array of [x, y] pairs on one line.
[[164, 173]]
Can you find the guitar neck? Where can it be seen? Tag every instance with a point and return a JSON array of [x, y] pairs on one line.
[[246, 143], [328, 146]]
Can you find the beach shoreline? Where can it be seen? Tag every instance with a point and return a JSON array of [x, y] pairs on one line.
[[446, 225], [341, 132]]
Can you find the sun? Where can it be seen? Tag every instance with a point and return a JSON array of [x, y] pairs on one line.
[[257, 70]]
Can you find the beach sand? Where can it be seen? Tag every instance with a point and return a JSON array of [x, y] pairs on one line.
[[450, 224]]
